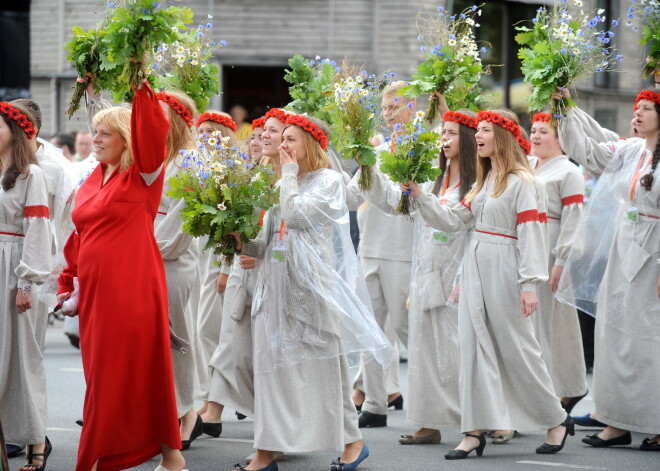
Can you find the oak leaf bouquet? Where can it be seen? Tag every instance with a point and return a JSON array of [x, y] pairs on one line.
[[452, 65], [224, 192], [311, 86], [112, 53], [413, 151], [562, 46], [356, 117]]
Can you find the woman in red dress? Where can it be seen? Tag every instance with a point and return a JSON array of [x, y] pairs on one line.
[[130, 409]]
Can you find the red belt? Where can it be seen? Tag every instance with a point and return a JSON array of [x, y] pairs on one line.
[[12, 234], [649, 216], [159, 212], [495, 233]]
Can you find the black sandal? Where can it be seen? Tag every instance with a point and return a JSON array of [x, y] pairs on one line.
[[30, 466]]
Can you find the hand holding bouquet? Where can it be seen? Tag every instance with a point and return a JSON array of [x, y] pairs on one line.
[[414, 150], [563, 45], [452, 65], [225, 192]]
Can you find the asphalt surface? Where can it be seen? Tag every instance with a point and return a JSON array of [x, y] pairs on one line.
[[66, 388]]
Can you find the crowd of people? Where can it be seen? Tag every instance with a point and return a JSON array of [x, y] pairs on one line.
[[467, 282]]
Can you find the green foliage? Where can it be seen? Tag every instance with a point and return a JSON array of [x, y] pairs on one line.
[[311, 86], [646, 13], [224, 192], [561, 47], [113, 53], [412, 160], [452, 65]]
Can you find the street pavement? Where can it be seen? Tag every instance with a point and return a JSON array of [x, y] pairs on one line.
[[66, 388]]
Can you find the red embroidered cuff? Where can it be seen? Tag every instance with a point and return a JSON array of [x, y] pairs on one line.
[[531, 215], [467, 205], [573, 199], [36, 212]]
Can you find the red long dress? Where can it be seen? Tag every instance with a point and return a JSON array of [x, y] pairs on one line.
[[130, 406]]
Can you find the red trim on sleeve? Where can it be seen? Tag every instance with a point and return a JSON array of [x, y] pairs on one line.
[[36, 212], [543, 217], [531, 215], [467, 205], [573, 199]]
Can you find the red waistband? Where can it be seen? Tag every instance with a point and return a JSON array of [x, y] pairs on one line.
[[495, 233], [649, 216], [160, 212], [12, 234]]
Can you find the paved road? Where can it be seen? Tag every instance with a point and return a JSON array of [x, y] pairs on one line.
[[66, 391]]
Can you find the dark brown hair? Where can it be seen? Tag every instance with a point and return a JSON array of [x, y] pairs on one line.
[[21, 152], [647, 180], [467, 158]]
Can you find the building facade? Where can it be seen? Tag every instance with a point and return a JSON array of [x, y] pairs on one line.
[[379, 34]]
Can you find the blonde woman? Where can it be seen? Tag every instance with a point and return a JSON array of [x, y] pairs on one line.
[[310, 311], [503, 381]]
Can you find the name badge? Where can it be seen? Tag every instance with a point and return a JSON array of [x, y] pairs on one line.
[[278, 254], [440, 237], [632, 214]]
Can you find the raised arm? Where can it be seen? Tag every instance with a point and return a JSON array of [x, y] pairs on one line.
[[149, 128], [582, 148]]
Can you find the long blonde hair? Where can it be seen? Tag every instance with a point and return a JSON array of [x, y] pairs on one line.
[[509, 157], [316, 156], [118, 119], [180, 135], [224, 130]]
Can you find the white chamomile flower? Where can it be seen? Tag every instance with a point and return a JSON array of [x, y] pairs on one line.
[[222, 207], [212, 141], [451, 42], [419, 115], [223, 187]]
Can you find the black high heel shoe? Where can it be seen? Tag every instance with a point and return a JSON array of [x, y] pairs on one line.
[[212, 429], [29, 466], [568, 407], [462, 454], [396, 403], [197, 430], [547, 449]]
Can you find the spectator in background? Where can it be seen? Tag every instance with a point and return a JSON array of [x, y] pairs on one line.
[[83, 145], [66, 142], [239, 115]]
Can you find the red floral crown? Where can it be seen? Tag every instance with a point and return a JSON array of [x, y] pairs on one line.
[[277, 113], [258, 123], [218, 118], [307, 125], [647, 95], [460, 118], [507, 125], [542, 117], [177, 106], [20, 118]]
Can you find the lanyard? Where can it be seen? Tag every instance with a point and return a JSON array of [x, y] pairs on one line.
[[282, 228], [641, 166], [446, 184]]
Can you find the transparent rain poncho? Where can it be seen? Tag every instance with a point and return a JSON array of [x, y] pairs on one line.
[[434, 283], [613, 274], [310, 300]]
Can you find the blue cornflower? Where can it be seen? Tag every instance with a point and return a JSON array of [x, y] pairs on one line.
[[145, 11], [474, 8], [619, 57], [615, 22], [483, 49], [534, 20], [410, 105], [422, 48], [156, 5], [155, 66], [463, 16], [337, 69], [452, 17], [111, 4], [312, 62], [204, 174], [407, 192], [599, 69], [333, 63], [441, 9], [420, 37], [209, 25], [223, 43]]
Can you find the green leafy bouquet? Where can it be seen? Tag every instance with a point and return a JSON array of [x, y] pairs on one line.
[[187, 65], [415, 149], [647, 14], [224, 191], [452, 65], [355, 117], [113, 53], [562, 46], [311, 86]]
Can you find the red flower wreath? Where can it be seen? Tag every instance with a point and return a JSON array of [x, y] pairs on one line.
[[460, 118], [507, 125], [307, 125], [20, 118], [647, 95], [218, 118], [542, 117], [177, 106], [258, 123], [277, 113]]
